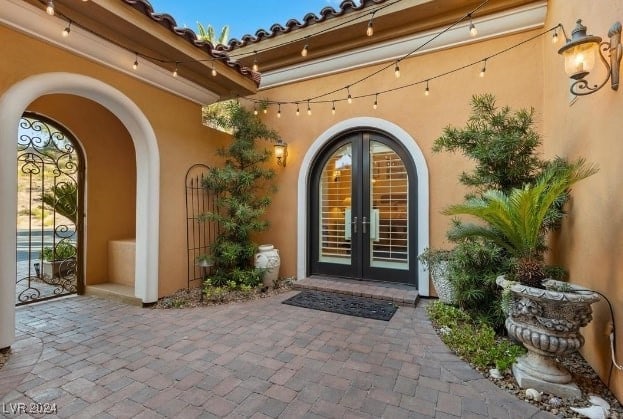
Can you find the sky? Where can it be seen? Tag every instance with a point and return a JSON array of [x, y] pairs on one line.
[[242, 16]]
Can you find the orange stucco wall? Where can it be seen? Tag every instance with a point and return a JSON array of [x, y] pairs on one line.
[[110, 175], [514, 78], [590, 242], [182, 140]]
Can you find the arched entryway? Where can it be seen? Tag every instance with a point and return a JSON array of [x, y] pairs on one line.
[[363, 200], [13, 103], [371, 136]]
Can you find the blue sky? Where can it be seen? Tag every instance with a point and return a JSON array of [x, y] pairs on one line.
[[242, 16]]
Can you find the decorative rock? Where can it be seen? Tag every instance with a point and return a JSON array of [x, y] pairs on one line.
[[593, 412], [532, 394], [555, 401], [495, 373]]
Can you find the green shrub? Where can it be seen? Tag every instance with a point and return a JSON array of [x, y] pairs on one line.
[[61, 251], [472, 340]]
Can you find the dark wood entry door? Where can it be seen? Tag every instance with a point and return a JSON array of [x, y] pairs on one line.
[[363, 202]]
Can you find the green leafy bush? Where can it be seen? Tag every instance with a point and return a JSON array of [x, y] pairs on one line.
[[63, 250], [472, 340]]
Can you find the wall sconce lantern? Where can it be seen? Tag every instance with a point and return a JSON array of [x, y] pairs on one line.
[[281, 152], [579, 53]]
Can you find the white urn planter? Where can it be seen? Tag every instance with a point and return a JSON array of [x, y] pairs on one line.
[[547, 322], [57, 268], [267, 258]]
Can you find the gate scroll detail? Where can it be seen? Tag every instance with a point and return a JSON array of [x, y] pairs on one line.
[[49, 176]]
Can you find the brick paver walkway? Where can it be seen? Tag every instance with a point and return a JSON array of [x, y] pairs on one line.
[[91, 357]]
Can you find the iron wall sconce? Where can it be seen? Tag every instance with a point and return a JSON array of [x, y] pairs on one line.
[[281, 152], [579, 53]]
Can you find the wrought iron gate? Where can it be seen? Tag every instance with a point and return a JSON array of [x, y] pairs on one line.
[[49, 173], [199, 234]]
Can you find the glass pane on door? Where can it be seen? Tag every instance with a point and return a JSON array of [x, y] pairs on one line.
[[335, 208], [389, 209]]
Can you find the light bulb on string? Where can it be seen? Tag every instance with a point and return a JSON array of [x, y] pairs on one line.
[[49, 9], [333, 108], [279, 110], [376, 101], [175, 71], [397, 70], [265, 110], [255, 66], [484, 68], [298, 112], [350, 98], [135, 64], [304, 51], [427, 90], [370, 29], [255, 109], [214, 73], [308, 109], [67, 30], [472, 28], [555, 37]]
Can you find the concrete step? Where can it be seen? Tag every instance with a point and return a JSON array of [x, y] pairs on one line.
[[115, 292], [400, 294]]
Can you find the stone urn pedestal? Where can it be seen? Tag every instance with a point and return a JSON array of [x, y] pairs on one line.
[[547, 322], [267, 258]]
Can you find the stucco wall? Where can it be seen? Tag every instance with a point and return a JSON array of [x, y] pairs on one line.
[[110, 175], [182, 140], [515, 78], [590, 242]]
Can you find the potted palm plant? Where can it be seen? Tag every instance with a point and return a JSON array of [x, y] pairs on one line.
[[543, 314], [58, 261]]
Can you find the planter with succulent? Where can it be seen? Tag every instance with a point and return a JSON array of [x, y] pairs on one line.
[[58, 261], [436, 261], [545, 315]]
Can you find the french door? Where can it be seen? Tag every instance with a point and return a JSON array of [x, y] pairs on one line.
[[363, 193]]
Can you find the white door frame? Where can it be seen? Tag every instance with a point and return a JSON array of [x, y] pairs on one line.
[[13, 103], [421, 169]]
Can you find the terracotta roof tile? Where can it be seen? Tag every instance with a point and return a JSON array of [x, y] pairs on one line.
[[189, 35], [326, 13]]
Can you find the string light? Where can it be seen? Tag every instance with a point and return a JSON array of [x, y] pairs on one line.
[[350, 98], [214, 73], [50, 8], [308, 109], [67, 30], [427, 90], [175, 71], [333, 108], [265, 110], [279, 111], [255, 66], [472, 28], [255, 110], [370, 29], [397, 71], [484, 68], [304, 51], [135, 65], [298, 112], [555, 37]]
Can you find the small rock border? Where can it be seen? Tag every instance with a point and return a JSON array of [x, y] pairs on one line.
[[190, 298]]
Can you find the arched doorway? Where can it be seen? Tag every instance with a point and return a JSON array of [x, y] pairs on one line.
[[50, 180], [414, 153], [363, 201], [12, 105]]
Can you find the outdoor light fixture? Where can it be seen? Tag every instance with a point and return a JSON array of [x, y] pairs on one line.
[[281, 152], [579, 53], [67, 29], [472, 28], [135, 64], [279, 111], [370, 29], [304, 51], [214, 73], [427, 90], [333, 108], [175, 71]]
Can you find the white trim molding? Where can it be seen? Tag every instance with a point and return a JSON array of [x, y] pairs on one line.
[[13, 103], [35, 22], [421, 168], [525, 18]]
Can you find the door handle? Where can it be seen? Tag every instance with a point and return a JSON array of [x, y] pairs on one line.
[[364, 222], [354, 223]]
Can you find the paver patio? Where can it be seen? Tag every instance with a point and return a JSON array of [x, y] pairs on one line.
[[97, 358]]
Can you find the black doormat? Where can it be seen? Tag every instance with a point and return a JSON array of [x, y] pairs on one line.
[[344, 304]]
